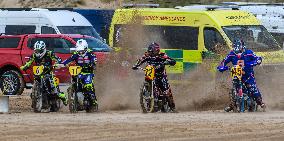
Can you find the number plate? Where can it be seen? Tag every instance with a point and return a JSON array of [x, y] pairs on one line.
[[38, 70], [150, 72], [236, 72], [75, 70], [56, 81]]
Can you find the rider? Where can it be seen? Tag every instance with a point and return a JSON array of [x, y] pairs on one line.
[[44, 57], [247, 58], [85, 59], [154, 57]]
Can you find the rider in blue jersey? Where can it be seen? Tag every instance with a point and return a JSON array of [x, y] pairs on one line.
[[87, 60], [248, 59]]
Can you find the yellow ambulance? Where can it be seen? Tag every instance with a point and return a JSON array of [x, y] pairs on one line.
[[190, 36]]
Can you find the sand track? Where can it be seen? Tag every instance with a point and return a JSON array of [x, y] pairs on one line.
[[133, 125]]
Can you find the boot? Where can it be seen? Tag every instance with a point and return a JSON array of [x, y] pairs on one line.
[[172, 104], [228, 109], [94, 99], [173, 109], [63, 98], [263, 106], [94, 102]]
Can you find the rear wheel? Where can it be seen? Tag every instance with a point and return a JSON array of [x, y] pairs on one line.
[[146, 99], [90, 108], [55, 104], [72, 98], [165, 108], [12, 83]]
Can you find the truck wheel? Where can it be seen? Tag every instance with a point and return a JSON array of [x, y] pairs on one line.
[[12, 83]]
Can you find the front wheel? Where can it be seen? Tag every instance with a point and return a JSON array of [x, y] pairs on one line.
[[37, 97], [146, 99], [12, 83]]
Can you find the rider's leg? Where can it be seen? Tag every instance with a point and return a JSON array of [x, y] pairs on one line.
[[56, 90], [166, 88], [88, 86], [253, 89]]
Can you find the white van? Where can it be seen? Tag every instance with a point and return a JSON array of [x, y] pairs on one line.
[[271, 16], [44, 21]]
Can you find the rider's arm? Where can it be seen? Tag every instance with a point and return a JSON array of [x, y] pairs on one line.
[[70, 59], [169, 60], [93, 59], [28, 63], [222, 67], [254, 59], [227, 59], [57, 59], [141, 61]]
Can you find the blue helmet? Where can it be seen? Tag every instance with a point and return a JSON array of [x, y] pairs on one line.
[[238, 46]]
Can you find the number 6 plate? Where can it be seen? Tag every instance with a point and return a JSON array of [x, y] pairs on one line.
[[37, 70]]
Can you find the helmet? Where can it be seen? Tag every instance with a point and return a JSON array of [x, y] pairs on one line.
[[153, 48], [39, 49], [81, 46], [238, 46]]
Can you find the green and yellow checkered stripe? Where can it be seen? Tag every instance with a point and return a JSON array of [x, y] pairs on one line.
[[186, 59]]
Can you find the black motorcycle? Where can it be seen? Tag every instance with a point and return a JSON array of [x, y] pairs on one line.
[[42, 97], [78, 99]]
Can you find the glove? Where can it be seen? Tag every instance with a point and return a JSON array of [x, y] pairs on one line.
[[259, 60], [172, 63], [166, 62], [222, 68], [23, 68], [59, 66], [135, 67]]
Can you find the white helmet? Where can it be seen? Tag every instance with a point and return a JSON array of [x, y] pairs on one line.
[[39, 49], [81, 46]]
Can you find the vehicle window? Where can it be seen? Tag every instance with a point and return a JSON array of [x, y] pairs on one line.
[[256, 37], [9, 42], [279, 38], [214, 41], [58, 45], [83, 30], [19, 29], [169, 37], [47, 30], [95, 45]]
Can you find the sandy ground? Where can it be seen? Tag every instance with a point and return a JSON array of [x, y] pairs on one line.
[[133, 125], [118, 119]]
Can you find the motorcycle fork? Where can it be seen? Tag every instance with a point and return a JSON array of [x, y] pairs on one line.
[[75, 97], [240, 96], [154, 94], [45, 93]]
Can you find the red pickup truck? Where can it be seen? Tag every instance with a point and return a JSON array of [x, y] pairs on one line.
[[15, 50]]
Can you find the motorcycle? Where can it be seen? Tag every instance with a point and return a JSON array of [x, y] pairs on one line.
[[152, 99], [42, 97], [78, 100], [240, 96]]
